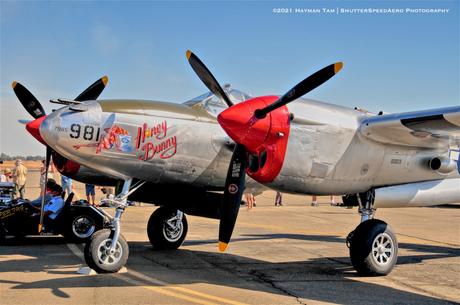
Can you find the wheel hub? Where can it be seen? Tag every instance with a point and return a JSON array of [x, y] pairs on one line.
[[382, 249], [108, 256], [173, 228]]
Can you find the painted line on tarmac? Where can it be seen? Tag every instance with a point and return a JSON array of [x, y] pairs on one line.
[[184, 290], [164, 291], [181, 291]]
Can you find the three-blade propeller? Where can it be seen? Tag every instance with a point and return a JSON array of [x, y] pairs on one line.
[[35, 109], [235, 181]]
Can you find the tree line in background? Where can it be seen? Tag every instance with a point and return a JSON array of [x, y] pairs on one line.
[[5, 157]]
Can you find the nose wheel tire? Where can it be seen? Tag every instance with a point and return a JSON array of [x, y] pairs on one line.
[[166, 230], [373, 248], [99, 257]]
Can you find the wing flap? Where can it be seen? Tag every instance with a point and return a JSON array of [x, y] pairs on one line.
[[429, 128]]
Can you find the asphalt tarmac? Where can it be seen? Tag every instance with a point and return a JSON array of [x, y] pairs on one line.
[[294, 254]]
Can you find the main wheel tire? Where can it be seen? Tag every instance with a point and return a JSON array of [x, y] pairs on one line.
[[97, 254], [373, 248], [162, 236], [82, 227]]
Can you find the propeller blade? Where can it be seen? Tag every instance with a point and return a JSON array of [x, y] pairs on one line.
[[206, 77], [47, 164], [30, 103], [234, 187], [93, 91], [316, 79], [24, 122]]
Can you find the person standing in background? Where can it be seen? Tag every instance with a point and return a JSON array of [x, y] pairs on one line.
[[251, 200], [53, 172], [43, 173], [278, 199], [8, 175], [3, 177], [19, 179], [90, 194], [314, 202], [66, 184], [42, 177], [333, 201]]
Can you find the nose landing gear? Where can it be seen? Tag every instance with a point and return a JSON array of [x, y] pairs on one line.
[[108, 251]]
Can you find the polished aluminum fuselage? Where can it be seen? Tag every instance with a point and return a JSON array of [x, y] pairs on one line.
[[174, 143]]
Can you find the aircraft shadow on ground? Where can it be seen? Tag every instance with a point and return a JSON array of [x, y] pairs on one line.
[[252, 237], [38, 254], [322, 279], [435, 251]]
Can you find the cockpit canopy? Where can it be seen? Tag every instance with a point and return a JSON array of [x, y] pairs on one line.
[[213, 104]]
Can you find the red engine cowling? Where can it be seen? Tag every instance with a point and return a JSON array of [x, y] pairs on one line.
[[265, 139], [65, 166]]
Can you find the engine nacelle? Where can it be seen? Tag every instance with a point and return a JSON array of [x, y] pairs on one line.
[[428, 193], [442, 165], [81, 173]]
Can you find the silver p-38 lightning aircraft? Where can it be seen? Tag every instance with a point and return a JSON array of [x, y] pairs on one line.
[[179, 156]]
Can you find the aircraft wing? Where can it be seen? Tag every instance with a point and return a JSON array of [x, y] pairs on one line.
[[428, 128]]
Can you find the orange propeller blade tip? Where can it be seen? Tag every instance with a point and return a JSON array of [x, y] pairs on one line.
[[338, 66], [188, 54], [14, 83], [105, 80], [222, 246]]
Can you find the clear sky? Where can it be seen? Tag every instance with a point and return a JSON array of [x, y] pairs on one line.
[[393, 61]]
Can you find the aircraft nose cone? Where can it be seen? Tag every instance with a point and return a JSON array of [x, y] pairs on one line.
[[240, 124], [48, 128], [34, 128], [235, 123]]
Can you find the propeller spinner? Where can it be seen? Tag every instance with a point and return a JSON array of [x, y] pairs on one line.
[[260, 127]]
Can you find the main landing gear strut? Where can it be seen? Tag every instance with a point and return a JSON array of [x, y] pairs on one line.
[[108, 250], [373, 245]]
